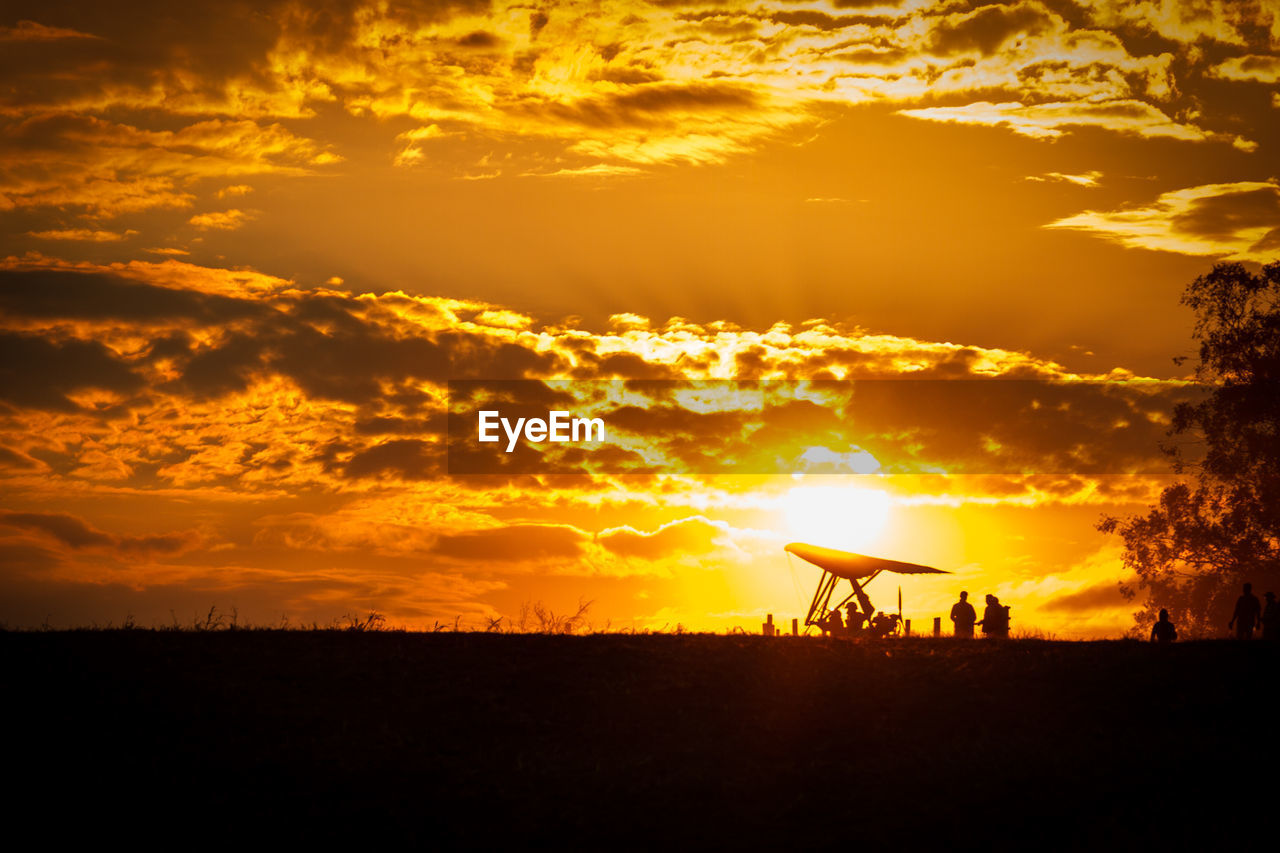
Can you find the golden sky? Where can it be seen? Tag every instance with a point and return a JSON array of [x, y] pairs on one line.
[[246, 247]]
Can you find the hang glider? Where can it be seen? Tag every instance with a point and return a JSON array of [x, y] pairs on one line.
[[859, 570], [850, 566]]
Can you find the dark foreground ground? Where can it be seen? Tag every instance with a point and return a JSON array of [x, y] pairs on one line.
[[482, 741]]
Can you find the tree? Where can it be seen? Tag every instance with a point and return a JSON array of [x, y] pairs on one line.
[[1219, 526]]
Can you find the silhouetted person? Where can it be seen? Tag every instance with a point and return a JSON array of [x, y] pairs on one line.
[[1247, 614], [856, 618], [833, 624], [883, 624], [964, 616], [995, 618], [1163, 631], [1271, 618]]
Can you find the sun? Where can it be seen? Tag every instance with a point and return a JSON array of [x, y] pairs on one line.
[[836, 517]]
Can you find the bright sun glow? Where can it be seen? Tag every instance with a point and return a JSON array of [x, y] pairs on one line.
[[836, 517]]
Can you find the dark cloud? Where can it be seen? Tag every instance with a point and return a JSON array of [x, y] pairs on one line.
[[645, 105], [479, 39], [631, 75], [1270, 242], [51, 294], [514, 543], [720, 25], [204, 46], [405, 458], [76, 534], [1222, 217], [864, 4], [67, 529], [661, 97], [987, 29], [621, 365], [871, 56], [820, 20], [317, 340], [200, 49], [17, 461], [474, 356], [675, 422], [537, 20], [1008, 426], [40, 373], [348, 364], [223, 368], [382, 425], [960, 423]]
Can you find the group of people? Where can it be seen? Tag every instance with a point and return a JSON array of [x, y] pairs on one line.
[[860, 624], [1248, 616], [994, 621]]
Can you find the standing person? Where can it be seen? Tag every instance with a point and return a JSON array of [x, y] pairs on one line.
[[963, 615], [1248, 612], [1271, 618], [1163, 631], [995, 618]]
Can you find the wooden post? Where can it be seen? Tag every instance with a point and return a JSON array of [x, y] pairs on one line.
[[795, 627], [937, 626]]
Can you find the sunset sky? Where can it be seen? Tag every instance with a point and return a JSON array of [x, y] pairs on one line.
[[247, 246]]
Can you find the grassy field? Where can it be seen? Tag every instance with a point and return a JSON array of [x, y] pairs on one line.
[[378, 738]]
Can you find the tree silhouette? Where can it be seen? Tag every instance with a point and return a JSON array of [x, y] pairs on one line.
[[1216, 529]]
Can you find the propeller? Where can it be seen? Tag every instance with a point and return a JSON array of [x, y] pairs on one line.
[[899, 607]]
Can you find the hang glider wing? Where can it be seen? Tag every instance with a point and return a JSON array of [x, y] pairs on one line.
[[850, 566]]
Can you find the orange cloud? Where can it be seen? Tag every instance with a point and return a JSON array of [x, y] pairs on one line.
[[221, 220], [1251, 68], [107, 169], [85, 234], [612, 87], [1238, 221], [1088, 179], [230, 381], [1052, 120]]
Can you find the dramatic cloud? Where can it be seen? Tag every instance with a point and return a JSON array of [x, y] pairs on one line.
[[108, 169], [305, 428], [76, 534], [1049, 121], [611, 87], [236, 378], [1239, 221], [741, 163]]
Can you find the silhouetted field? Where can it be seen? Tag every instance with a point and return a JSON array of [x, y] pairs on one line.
[[478, 740]]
